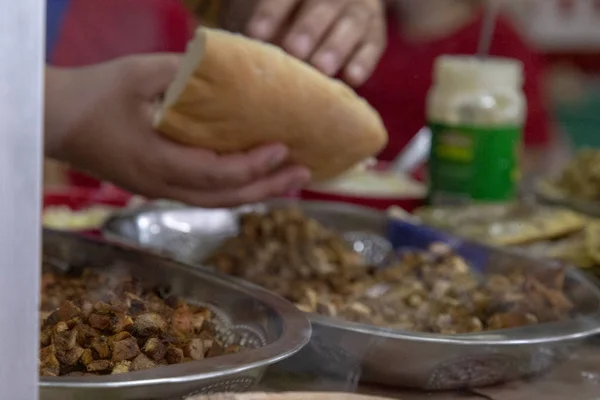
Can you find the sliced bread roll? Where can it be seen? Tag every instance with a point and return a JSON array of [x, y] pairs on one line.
[[233, 93]]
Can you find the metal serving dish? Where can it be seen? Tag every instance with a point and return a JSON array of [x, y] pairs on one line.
[[547, 192], [389, 356], [252, 311]]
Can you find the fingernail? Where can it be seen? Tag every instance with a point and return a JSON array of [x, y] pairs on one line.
[[300, 45], [356, 73], [328, 63], [261, 28], [277, 157]]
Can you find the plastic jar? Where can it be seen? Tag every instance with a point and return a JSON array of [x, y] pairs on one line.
[[476, 110]]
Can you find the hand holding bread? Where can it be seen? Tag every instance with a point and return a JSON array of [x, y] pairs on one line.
[[99, 120], [336, 36], [241, 122], [233, 94]]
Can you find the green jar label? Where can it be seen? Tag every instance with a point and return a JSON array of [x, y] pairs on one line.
[[473, 163]]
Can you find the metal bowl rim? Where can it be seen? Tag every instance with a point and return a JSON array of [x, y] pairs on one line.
[[296, 334], [546, 191], [572, 329]]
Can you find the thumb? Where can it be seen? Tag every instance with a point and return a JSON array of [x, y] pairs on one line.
[[153, 73]]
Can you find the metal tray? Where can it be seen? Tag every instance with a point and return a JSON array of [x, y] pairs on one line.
[[252, 311], [389, 356], [546, 192]]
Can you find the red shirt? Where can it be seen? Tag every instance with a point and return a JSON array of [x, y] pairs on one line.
[[94, 31], [399, 87]]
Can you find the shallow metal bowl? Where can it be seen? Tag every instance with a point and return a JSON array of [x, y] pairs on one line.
[[251, 310], [546, 192], [380, 355]]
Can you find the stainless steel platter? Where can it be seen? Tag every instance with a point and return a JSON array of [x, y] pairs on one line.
[[387, 356], [276, 325], [547, 192]]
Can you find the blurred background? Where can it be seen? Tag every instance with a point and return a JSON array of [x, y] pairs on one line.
[[563, 34], [567, 35]]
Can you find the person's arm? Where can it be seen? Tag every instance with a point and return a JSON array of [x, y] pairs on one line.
[[336, 36], [55, 111], [99, 119]]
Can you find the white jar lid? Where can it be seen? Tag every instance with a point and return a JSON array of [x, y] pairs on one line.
[[472, 72]]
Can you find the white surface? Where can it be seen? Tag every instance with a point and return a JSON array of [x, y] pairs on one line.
[[469, 91], [21, 113], [370, 184], [553, 27]]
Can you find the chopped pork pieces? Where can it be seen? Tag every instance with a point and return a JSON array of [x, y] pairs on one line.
[[107, 323], [431, 290]]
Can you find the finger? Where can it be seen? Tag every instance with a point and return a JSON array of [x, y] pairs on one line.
[[314, 20], [342, 40], [269, 17], [362, 64], [151, 74], [198, 169], [278, 184]]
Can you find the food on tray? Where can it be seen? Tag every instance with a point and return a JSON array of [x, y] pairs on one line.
[[370, 183], [592, 241], [64, 218], [571, 249], [233, 93], [101, 323], [504, 224], [427, 291], [581, 178], [550, 232]]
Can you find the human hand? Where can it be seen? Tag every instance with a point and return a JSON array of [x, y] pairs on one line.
[[347, 36], [99, 120]]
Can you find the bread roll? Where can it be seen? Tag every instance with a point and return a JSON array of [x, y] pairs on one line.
[[232, 94]]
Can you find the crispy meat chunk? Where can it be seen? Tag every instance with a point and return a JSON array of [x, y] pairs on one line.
[[70, 357], [87, 357], [120, 322], [121, 367], [108, 323], [49, 365], [181, 321], [86, 335], [99, 366], [174, 355], [215, 350], [149, 324], [46, 336], [64, 340], [100, 347], [194, 349], [199, 319], [126, 349], [99, 321], [142, 362], [155, 349]]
